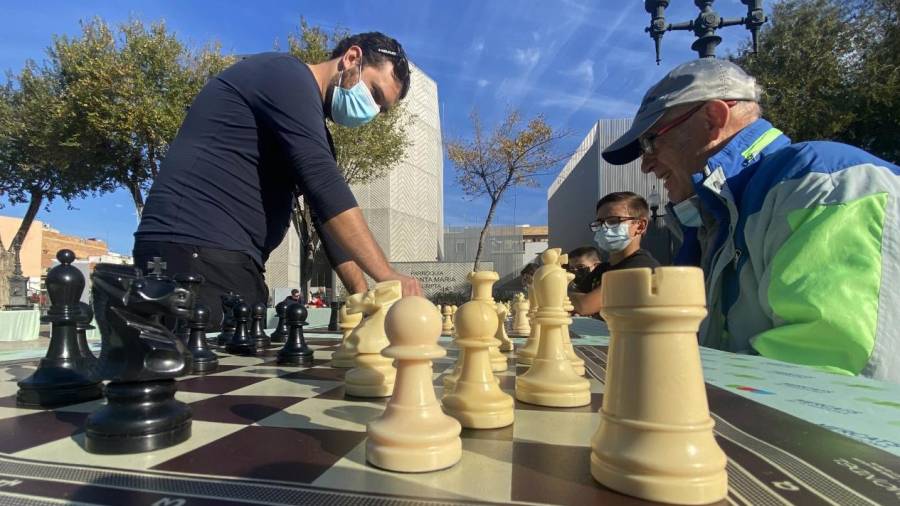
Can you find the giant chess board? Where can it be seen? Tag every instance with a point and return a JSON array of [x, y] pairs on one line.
[[269, 434]]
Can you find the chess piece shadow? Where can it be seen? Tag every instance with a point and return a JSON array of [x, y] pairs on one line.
[[141, 358]]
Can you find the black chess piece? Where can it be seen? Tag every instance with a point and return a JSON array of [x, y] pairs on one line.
[[258, 328], [281, 330], [205, 361], [65, 375], [241, 342], [333, 319], [229, 301], [141, 357], [191, 283], [295, 350], [83, 325]]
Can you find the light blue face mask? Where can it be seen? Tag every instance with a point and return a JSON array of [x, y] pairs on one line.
[[688, 213], [613, 240], [354, 107]]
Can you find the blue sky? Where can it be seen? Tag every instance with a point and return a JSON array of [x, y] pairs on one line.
[[574, 61]]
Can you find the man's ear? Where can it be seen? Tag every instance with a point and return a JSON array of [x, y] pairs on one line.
[[351, 58], [717, 113]]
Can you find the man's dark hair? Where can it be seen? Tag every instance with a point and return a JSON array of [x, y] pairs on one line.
[[636, 204], [529, 269], [295, 291], [378, 48], [584, 252]]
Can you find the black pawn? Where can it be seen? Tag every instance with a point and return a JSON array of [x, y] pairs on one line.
[[205, 361], [64, 375], [295, 350], [281, 331], [241, 343], [333, 320], [83, 325], [228, 324], [258, 328]]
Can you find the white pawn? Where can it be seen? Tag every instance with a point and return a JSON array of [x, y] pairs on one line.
[[520, 325], [482, 289], [413, 435], [373, 374], [505, 343], [350, 316], [529, 351], [477, 401], [447, 323], [551, 380]]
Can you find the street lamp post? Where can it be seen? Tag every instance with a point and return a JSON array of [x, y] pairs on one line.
[[18, 284], [705, 26]]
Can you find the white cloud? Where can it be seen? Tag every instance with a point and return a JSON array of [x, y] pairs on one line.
[[584, 71], [477, 46], [482, 83], [605, 107], [528, 56]]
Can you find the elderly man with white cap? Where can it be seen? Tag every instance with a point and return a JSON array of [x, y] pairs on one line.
[[799, 242]]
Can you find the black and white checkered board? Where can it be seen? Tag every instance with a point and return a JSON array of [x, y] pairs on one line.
[[270, 434]]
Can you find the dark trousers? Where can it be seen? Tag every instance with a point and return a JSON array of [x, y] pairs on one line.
[[222, 270]]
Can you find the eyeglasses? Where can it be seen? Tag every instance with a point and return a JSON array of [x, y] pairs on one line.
[[609, 222], [647, 141]]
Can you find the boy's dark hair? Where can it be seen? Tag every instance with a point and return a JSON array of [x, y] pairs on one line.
[[584, 252], [636, 204], [529, 269], [377, 49]]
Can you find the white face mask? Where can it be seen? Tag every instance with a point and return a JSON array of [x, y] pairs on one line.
[[688, 212], [615, 239]]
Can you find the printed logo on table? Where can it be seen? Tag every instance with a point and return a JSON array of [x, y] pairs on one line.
[[752, 390], [827, 407], [807, 388]]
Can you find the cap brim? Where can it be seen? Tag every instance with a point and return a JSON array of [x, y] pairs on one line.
[[626, 148]]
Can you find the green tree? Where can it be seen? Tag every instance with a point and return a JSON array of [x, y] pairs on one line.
[[830, 69], [40, 159], [127, 91], [364, 154], [512, 155]]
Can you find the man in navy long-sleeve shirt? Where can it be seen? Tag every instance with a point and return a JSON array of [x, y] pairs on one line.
[[255, 135]]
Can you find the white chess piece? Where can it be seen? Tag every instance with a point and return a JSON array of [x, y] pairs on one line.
[[506, 343], [351, 315], [551, 380], [413, 434], [447, 322], [482, 290], [373, 374], [477, 401], [655, 439], [526, 355], [520, 325], [577, 362]]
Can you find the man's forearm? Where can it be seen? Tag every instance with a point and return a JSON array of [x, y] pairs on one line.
[[352, 277], [352, 234]]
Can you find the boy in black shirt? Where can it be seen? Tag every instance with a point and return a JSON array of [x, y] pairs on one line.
[[622, 219]]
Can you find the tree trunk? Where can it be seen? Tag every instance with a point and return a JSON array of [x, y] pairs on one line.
[[37, 196], [138, 198], [487, 224]]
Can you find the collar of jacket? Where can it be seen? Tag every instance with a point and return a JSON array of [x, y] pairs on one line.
[[724, 172]]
